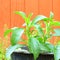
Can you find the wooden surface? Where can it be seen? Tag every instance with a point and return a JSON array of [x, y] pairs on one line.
[[7, 8]]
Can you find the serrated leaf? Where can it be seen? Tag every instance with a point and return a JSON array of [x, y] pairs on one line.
[[57, 32], [57, 52], [11, 49], [16, 35], [38, 18], [51, 15], [34, 47]]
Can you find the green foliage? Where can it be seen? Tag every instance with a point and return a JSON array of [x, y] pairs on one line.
[[16, 34], [57, 52], [37, 38], [34, 47], [38, 18], [55, 23], [2, 51], [11, 49]]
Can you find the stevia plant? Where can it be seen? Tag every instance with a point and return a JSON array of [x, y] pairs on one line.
[[37, 36]]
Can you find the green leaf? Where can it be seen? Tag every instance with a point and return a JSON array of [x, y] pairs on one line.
[[16, 35], [11, 49], [37, 47], [48, 19], [40, 39], [50, 47], [46, 47], [57, 32], [38, 18], [57, 52], [34, 47], [30, 15], [26, 19], [43, 48], [51, 15], [28, 24], [21, 14], [7, 32], [39, 29], [55, 23]]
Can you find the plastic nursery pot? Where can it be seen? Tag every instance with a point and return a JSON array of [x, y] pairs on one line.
[[26, 56]]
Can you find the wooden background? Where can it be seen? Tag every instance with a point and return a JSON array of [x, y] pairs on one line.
[[9, 18]]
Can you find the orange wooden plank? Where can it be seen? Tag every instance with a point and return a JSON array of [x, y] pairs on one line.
[[31, 6], [0, 20], [16, 5], [56, 9], [4, 15], [13, 8], [45, 6], [20, 7], [4, 19]]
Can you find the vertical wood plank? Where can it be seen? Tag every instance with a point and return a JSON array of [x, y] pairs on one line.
[[56, 9], [45, 6], [16, 5], [4, 19], [20, 7], [4, 15], [31, 6], [13, 9], [1, 19]]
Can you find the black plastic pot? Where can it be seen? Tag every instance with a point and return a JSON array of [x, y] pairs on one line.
[[25, 56]]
